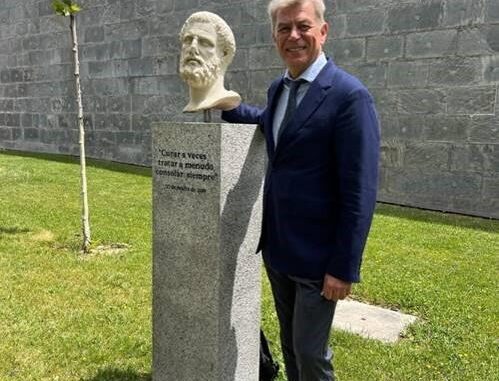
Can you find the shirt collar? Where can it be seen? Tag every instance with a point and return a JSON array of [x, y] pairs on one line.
[[312, 71]]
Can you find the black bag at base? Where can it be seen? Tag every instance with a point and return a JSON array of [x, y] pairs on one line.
[[268, 368]]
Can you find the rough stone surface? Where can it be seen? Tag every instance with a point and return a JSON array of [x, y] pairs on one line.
[[384, 47], [206, 276], [431, 44], [371, 321], [432, 66]]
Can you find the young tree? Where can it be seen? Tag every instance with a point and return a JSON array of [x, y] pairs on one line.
[[70, 8]]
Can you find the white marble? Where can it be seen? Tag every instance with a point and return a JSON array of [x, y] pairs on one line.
[[207, 49]]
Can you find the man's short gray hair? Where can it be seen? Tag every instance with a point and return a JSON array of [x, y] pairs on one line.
[[275, 5], [225, 37]]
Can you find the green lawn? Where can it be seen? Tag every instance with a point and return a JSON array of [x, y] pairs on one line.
[[66, 317]]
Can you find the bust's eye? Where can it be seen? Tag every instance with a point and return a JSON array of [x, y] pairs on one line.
[[205, 43], [187, 40]]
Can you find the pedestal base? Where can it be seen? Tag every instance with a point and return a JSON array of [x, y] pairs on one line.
[[207, 182]]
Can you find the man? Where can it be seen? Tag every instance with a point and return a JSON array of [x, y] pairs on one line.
[[320, 186], [208, 47]]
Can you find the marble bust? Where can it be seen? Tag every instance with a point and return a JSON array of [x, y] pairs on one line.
[[207, 49]]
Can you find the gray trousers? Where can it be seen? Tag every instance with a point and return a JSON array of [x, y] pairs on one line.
[[305, 319]]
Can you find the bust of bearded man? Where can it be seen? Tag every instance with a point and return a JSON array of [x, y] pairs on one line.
[[207, 49]]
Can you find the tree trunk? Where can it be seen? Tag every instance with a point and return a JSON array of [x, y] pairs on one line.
[[83, 169]]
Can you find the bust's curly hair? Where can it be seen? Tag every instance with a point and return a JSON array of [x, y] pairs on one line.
[[225, 37]]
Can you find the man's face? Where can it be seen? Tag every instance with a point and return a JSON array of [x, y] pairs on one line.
[[199, 58], [299, 36]]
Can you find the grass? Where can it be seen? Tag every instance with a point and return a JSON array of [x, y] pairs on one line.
[[70, 318]]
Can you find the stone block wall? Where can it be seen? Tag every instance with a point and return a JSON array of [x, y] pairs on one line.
[[432, 66]]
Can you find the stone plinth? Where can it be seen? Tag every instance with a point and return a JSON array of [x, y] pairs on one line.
[[207, 183], [370, 321]]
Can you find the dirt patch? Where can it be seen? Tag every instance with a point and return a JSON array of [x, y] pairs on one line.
[[43, 236], [104, 250]]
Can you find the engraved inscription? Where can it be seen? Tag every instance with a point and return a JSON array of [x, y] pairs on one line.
[[192, 166]]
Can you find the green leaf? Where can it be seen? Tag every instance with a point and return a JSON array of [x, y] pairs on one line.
[[65, 7], [74, 8], [60, 8]]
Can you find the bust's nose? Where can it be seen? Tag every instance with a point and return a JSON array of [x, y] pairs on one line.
[[194, 44]]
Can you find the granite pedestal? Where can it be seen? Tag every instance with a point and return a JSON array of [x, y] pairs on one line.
[[207, 186]]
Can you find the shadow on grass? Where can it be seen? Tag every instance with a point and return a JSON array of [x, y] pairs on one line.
[[111, 374], [101, 164], [13, 230], [435, 217]]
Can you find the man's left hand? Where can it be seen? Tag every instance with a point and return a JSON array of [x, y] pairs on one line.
[[335, 289]]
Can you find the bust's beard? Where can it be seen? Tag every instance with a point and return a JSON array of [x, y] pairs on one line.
[[200, 76]]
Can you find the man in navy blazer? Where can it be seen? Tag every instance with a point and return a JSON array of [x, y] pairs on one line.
[[320, 186]]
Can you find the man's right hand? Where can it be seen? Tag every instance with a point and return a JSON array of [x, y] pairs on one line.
[[335, 289]]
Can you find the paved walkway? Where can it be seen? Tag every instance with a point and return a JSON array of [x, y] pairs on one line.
[[371, 321]]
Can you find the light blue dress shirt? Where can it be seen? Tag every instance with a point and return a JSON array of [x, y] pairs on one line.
[[308, 75]]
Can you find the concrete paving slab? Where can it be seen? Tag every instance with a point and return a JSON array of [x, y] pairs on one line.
[[371, 321]]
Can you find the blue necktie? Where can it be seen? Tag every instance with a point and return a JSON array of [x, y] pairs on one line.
[[291, 105]]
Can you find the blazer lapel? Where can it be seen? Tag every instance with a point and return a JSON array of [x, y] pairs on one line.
[[313, 98]]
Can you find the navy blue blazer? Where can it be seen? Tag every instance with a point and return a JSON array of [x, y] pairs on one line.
[[321, 180]]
